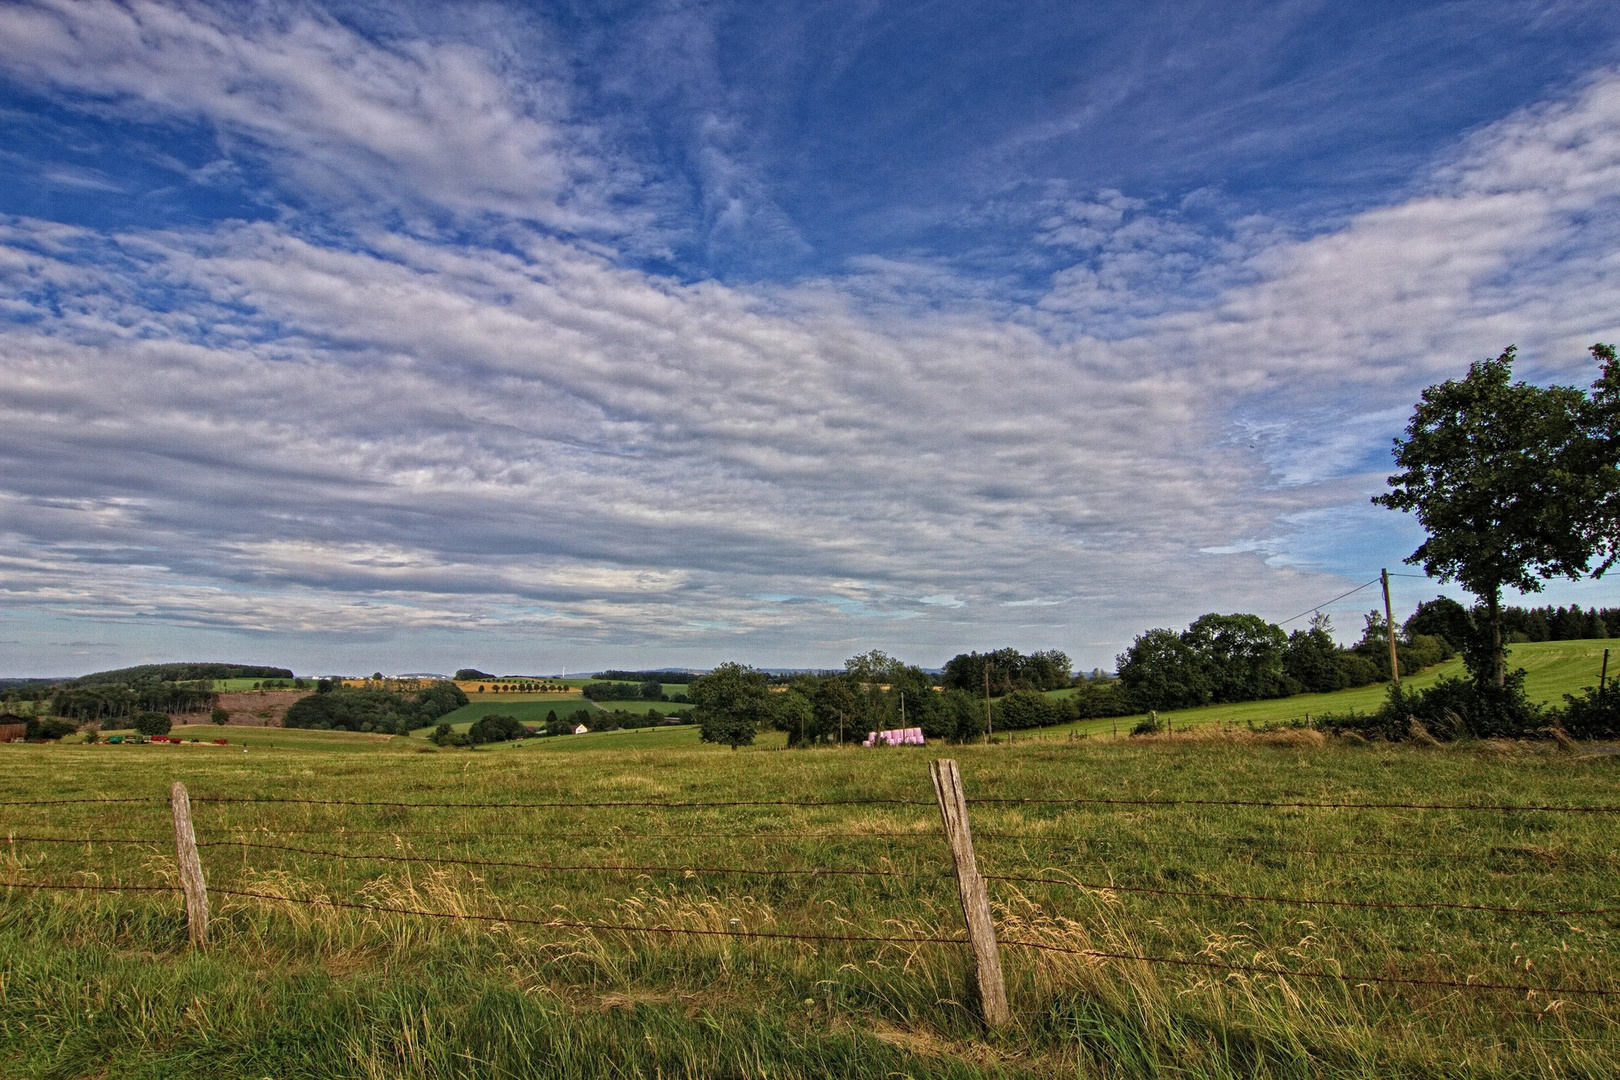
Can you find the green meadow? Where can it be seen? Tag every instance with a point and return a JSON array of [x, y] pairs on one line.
[[1552, 669], [556, 978]]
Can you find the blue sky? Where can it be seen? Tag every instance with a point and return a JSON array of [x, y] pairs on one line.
[[531, 336]]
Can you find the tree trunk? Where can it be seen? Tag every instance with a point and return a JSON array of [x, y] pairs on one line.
[[1493, 607]]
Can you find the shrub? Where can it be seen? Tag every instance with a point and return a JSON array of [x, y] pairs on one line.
[[445, 735], [1149, 725], [1023, 709], [52, 728], [1450, 709], [1593, 715], [151, 723], [220, 716]]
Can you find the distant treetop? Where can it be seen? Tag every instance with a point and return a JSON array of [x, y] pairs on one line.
[[467, 674]]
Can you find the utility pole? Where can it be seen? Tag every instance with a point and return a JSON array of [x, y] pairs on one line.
[[1389, 625], [987, 721]]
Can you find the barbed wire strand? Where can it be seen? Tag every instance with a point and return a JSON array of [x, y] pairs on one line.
[[582, 867], [66, 802], [917, 939], [1259, 969], [1406, 853], [86, 840], [813, 804], [568, 804], [1299, 805], [1386, 905]]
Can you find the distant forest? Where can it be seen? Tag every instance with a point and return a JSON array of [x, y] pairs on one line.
[[180, 673]]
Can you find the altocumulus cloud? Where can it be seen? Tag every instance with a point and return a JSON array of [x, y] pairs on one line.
[[438, 397]]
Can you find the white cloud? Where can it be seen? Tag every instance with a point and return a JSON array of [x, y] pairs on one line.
[[418, 124]]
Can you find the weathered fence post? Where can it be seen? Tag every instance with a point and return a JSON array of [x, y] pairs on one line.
[[985, 970], [191, 873]]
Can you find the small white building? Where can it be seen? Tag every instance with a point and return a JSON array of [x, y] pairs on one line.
[[582, 730]]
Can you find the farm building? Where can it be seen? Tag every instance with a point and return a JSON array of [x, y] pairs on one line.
[[13, 728], [581, 729]]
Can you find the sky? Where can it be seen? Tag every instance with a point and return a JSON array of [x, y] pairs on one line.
[[542, 337]]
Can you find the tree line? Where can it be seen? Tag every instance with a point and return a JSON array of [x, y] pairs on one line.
[[1222, 659], [651, 690], [876, 692]]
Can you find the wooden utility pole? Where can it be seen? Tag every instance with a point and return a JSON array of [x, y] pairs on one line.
[[1389, 626], [191, 873], [1603, 676], [984, 975], [987, 721]]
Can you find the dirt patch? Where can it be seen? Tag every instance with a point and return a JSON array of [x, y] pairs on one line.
[[260, 708]]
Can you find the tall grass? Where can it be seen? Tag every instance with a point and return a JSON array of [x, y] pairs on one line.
[[103, 984]]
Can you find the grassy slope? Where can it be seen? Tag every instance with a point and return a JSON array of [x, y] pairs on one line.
[[102, 984], [532, 708], [1554, 668]]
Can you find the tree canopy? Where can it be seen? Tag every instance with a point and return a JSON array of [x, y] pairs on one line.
[[1513, 483], [732, 703], [1009, 670]]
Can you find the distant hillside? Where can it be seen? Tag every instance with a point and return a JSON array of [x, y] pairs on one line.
[[182, 673]]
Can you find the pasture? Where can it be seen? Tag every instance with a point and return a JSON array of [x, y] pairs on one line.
[[360, 932]]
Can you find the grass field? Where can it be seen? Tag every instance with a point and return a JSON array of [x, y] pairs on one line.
[[532, 708], [97, 984], [1553, 669]]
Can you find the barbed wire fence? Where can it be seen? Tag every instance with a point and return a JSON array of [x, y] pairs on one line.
[[977, 934]]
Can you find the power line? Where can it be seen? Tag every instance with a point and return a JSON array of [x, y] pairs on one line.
[[1335, 600]]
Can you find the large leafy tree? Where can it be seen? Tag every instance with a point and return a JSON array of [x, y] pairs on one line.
[[732, 703], [1242, 656], [1515, 484], [1161, 670]]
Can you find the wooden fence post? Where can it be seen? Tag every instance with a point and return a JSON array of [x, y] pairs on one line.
[[985, 969], [191, 872]]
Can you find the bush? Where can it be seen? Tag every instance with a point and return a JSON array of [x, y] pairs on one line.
[[1024, 709], [220, 716], [1593, 715], [52, 728], [1450, 709], [151, 723], [1149, 725], [1099, 697], [445, 735]]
